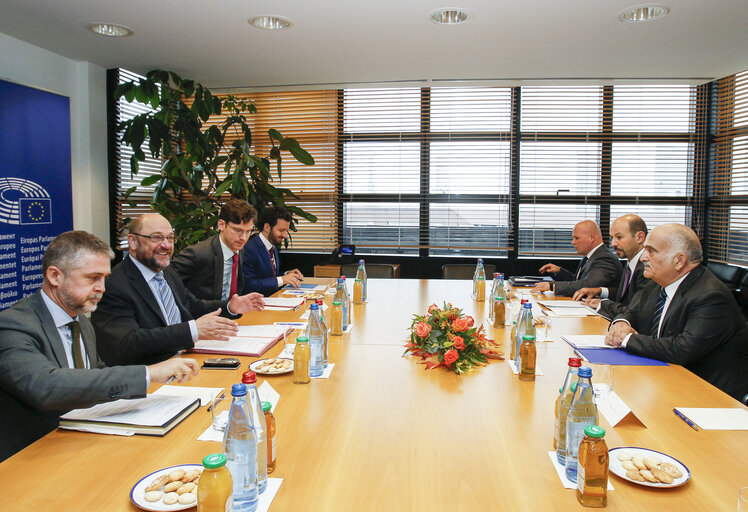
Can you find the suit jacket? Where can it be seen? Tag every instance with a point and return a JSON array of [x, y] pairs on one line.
[[703, 330], [36, 384], [129, 324], [200, 267], [609, 308], [602, 268], [257, 268]]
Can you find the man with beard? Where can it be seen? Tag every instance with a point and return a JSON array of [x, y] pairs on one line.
[[146, 314], [261, 263], [627, 235], [685, 315], [48, 353]]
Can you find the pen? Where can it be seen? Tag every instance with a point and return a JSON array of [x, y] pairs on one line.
[[210, 407], [170, 379], [688, 422]]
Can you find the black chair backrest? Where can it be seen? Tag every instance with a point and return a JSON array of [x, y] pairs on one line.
[[728, 274], [465, 271], [375, 270]]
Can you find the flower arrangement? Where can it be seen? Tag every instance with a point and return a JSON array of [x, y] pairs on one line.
[[447, 337]]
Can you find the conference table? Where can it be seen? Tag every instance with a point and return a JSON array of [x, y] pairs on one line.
[[383, 433]]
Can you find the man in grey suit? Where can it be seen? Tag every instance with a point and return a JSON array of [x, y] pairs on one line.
[[685, 315], [212, 269], [627, 235], [48, 358], [598, 266]]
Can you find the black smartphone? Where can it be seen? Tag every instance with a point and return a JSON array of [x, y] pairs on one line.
[[224, 363]]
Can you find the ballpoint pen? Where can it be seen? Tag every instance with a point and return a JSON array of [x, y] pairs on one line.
[[688, 422], [210, 407], [170, 379]]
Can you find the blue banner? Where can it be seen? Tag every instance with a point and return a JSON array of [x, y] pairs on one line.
[[36, 199]]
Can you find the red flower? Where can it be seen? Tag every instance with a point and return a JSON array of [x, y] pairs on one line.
[[470, 321], [433, 308], [460, 324], [450, 356], [422, 329], [458, 342]]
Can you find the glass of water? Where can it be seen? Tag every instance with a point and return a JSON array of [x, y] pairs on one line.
[[602, 380], [219, 409]]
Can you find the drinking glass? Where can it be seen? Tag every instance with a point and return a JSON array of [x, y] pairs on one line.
[[542, 324], [219, 409], [602, 380]]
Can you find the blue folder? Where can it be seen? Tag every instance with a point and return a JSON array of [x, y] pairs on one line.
[[617, 356]]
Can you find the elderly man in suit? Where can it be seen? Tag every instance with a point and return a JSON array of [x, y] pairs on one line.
[[212, 269], [261, 262], [598, 266], [146, 314], [627, 235], [48, 354], [685, 315]]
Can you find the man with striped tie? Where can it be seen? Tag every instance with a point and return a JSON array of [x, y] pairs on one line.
[[685, 315], [146, 314]]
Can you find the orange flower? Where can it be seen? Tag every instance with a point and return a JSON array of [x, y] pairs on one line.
[[433, 308], [459, 343], [450, 356], [460, 324], [470, 321], [422, 329]]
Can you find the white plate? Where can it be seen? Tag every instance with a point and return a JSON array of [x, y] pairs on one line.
[[257, 364], [137, 494], [617, 469]]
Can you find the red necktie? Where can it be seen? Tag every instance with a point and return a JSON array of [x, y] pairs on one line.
[[272, 259], [234, 275]]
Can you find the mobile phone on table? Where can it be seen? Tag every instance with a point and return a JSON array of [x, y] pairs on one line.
[[223, 363]]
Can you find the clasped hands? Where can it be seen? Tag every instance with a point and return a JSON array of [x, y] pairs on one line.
[[293, 277]]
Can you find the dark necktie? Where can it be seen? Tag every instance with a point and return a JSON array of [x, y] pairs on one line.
[[658, 314], [581, 266], [272, 260], [75, 334], [625, 284], [234, 274]]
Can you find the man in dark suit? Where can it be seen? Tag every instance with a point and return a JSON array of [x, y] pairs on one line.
[[261, 263], [146, 314], [685, 315], [48, 358], [212, 269], [598, 266], [627, 236]]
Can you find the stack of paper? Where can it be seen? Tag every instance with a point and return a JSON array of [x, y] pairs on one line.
[[586, 340], [283, 303], [567, 308], [251, 340]]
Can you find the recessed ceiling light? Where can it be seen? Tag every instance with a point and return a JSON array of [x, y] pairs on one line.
[[643, 13], [449, 16], [270, 22], [110, 29]]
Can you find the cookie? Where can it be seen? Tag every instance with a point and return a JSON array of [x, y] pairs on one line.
[[633, 474], [624, 456], [671, 469], [651, 462], [629, 466], [153, 496], [638, 461], [177, 474], [170, 498], [157, 483], [173, 486], [662, 476], [186, 488], [191, 475], [186, 499], [648, 476]]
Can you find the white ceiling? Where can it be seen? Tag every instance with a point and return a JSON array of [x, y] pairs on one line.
[[364, 41]]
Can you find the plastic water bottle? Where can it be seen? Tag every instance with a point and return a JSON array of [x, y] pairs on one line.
[[257, 417], [325, 330], [342, 295], [574, 363], [583, 412], [479, 272], [240, 447], [525, 327], [315, 333], [361, 274], [497, 290]]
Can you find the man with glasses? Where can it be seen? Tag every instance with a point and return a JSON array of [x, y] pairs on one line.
[[212, 269], [146, 314]]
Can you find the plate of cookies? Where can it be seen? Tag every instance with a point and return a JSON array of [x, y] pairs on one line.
[[648, 467], [172, 488], [272, 366]]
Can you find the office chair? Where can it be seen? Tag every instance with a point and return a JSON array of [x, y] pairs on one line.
[[465, 271], [375, 270]]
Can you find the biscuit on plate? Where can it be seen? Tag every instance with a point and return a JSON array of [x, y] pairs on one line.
[[647, 474], [671, 469], [173, 486], [170, 498], [177, 474], [633, 474], [651, 462], [662, 476], [158, 482], [186, 488], [153, 496], [638, 461], [187, 498], [191, 475]]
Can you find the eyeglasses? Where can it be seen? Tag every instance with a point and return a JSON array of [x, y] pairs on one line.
[[157, 238], [240, 232]]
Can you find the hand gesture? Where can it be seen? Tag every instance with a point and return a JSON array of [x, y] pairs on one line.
[[240, 304], [549, 268], [182, 369], [215, 327], [586, 293], [618, 331]]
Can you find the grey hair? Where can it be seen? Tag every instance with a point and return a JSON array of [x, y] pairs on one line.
[[683, 239], [68, 250]]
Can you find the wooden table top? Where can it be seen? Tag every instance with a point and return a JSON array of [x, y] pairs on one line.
[[384, 434]]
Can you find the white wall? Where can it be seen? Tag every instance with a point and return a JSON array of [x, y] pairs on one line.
[[85, 85]]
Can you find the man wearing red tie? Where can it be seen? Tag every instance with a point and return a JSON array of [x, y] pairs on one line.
[[212, 269], [261, 264]]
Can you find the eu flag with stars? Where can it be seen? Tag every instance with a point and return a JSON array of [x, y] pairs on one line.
[[35, 210]]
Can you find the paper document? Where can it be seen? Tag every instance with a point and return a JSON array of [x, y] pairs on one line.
[[283, 303], [552, 304], [585, 340], [154, 411], [203, 394], [261, 331], [268, 394], [576, 311], [715, 418]]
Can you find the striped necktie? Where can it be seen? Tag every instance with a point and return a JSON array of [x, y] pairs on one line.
[[655, 328], [581, 267], [167, 299], [271, 253]]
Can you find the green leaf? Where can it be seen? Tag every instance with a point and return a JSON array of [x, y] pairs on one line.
[[150, 180], [130, 191], [302, 155], [223, 187], [275, 134]]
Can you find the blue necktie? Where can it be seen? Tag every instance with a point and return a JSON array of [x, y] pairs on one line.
[[167, 299], [658, 313]]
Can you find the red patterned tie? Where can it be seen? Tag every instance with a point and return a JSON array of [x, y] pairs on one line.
[[234, 275], [272, 259]]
